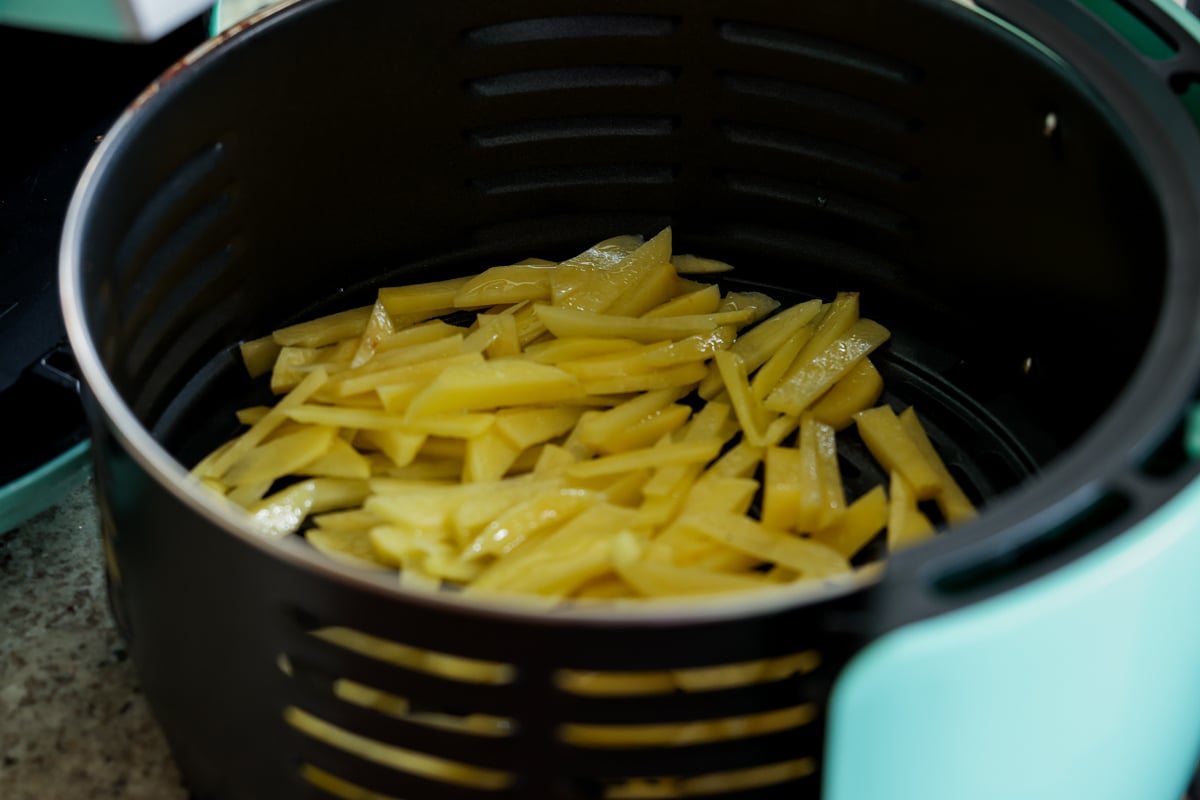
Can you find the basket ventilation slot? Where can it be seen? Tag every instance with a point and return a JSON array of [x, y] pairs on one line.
[[819, 50], [193, 185], [581, 129], [176, 269], [541, 180], [371, 717], [571, 28], [819, 101], [794, 144], [572, 79], [815, 198]]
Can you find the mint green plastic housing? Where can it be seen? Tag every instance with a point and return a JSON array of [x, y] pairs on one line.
[[120, 20], [1078, 686]]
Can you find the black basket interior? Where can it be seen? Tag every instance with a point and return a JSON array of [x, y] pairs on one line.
[[977, 194]]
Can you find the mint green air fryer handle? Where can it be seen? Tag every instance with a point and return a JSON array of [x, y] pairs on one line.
[[1081, 685]]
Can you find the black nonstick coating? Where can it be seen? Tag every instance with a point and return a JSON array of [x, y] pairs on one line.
[[1021, 239]]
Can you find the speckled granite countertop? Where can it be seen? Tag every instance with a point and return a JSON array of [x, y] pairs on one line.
[[73, 722]]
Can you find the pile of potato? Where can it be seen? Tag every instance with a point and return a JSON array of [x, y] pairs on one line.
[[609, 426]]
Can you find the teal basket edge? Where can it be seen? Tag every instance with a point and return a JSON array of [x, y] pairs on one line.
[[36, 491]]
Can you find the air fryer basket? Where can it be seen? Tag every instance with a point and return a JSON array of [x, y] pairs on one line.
[[1005, 213]]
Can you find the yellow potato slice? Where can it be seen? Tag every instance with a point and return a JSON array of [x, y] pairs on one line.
[[752, 417], [621, 490], [251, 438], [258, 355], [676, 480], [821, 499], [574, 554], [407, 356], [811, 559], [606, 588], [679, 376], [771, 373], [453, 425], [835, 319], [907, 524], [510, 284], [668, 580], [507, 341], [401, 447], [704, 300], [657, 284], [284, 512], [677, 545], [539, 514], [783, 483], [556, 351], [340, 460], [643, 433], [814, 377], [597, 430], [419, 504], [423, 555], [416, 373], [594, 279], [420, 333], [570, 322], [354, 519], [349, 546], [858, 390], [379, 326], [246, 494], [645, 358], [688, 264], [863, 520], [251, 414], [896, 451], [291, 366], [951, 500], [756, 345], [758, 304], [478, 509], [526, 427], [492, 384], [647, 457], [433, 298], [740, 461], [325, 330], [489, 455]]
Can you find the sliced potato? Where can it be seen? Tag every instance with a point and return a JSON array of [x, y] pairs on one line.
[[493, 384], [603, 429], [858, 390], [894, 448], [812, 378], [906, 524]]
